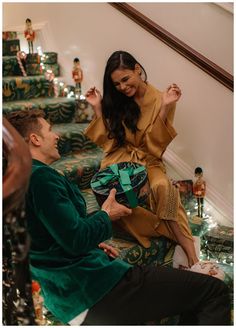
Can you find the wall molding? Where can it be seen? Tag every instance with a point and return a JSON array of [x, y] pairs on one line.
[[21, 28], [215, 71], [213, 197]]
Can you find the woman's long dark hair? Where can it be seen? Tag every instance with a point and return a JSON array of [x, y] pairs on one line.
[[117, 107]]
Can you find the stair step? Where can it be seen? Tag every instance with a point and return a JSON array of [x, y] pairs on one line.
[[80, 167], [36, 69], [91, 202], [21, 87], [10, 66], [48, 58], [72, 138], [58, 110]]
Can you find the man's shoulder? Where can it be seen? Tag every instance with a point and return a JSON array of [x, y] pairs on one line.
[[44, 172]]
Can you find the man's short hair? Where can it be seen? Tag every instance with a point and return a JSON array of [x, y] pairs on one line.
[[26, 121]]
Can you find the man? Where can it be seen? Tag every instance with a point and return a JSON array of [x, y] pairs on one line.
[[80, 282]]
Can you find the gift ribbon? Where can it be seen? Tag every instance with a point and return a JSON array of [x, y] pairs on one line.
[[123, 176]]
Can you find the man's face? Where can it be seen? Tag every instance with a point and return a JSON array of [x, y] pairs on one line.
[[48, 142]]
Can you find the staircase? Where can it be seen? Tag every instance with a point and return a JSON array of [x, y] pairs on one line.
[[80, 158]]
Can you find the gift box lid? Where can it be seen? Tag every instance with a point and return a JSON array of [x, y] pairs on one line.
[[126, 177]]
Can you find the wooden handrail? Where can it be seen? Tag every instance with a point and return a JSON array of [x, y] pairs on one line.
[[19, 162], [182, 48]]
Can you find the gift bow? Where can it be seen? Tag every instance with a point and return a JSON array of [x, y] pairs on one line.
[[123, 176]]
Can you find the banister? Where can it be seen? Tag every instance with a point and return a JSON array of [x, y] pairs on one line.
[[182, 48], [16, 176]]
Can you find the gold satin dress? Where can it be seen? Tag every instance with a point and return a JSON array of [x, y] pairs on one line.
[[146, 147]]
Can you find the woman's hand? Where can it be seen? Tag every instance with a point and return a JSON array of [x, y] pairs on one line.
[[109, 250], [171, 95], [94, 97]]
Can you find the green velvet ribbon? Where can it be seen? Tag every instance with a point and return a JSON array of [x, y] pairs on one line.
[[123, 176]]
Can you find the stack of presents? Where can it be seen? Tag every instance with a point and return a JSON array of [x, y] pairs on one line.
[[80, 158]]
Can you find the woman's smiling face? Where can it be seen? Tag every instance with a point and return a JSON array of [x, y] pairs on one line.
[[127, 81]]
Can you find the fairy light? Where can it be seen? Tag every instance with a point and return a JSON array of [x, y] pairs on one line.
[[40, 52]]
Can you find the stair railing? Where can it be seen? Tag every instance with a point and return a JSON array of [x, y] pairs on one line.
[[182, 48], [16, 280]]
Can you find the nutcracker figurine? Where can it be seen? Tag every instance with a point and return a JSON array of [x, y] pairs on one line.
[[77, 75], [29, 35], [199, 190]]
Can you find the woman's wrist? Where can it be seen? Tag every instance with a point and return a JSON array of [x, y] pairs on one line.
[[98, 110], [164, 112]]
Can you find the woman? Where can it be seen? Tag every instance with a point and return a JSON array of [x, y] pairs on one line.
[[133, 122]]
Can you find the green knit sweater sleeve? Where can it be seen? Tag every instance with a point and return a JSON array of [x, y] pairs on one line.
[[62, 216]]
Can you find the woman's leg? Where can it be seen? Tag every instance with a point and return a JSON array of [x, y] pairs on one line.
[[165, 202], [186, 243]]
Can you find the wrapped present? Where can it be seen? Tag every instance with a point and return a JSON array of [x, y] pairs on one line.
[[128, 178], [10, 47], [219, 239], [45, 58], [8, 35], [37, 69]]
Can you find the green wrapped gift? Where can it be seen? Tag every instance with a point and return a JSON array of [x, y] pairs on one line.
[[10, 47], [128, 178]]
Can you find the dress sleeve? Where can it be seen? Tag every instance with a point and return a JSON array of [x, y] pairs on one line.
[[97, 132], [160, 134], [61, 218]]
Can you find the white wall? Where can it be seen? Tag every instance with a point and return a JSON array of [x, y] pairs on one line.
[[204, 118], [206, 27]]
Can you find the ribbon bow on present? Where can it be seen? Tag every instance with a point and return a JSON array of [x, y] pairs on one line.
[[123, 176]]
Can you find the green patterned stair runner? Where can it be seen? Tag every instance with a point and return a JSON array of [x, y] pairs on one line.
[[72, 138], [10, 66], [79, 167], [37, 69], [58, 110], [20, 87], [46, 58]]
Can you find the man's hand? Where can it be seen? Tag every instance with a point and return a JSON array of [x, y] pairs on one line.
[[109, 250], [114, 209]]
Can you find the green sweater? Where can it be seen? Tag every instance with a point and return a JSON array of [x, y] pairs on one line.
[[73, 272]]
